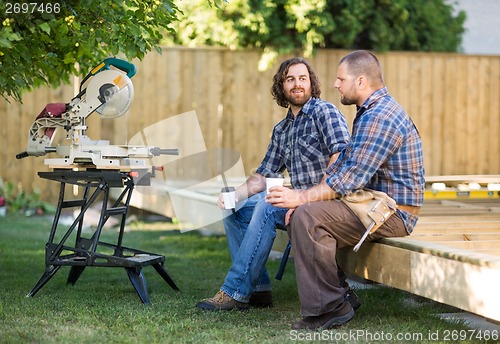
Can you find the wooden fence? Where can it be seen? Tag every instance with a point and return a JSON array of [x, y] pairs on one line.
[[454, 100]]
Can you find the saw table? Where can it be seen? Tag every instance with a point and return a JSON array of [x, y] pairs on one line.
[[91, 251]]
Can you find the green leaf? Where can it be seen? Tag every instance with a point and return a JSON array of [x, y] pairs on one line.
[[5, 43], [45, 27]]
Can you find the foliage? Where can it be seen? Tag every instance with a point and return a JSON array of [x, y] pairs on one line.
[[49, 45], [417, 25], [39, 47], [285, 26], [18, 201]]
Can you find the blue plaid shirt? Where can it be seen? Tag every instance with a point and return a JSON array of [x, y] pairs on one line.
[[303, 145], [385, 153]]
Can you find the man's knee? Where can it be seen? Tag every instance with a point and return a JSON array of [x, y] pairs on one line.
[[299, 216]]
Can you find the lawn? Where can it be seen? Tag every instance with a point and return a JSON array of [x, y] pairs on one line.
[[103, 307]]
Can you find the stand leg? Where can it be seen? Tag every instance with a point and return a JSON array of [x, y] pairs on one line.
[[284, 259], [74, 274], [49, 272], [139, 282], [163, 273]]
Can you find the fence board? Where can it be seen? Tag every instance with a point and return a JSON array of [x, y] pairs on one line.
[[453, 99], [425, 105], [436, 113], [492, 108]]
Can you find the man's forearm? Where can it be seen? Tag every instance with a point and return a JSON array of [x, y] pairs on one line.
[[320, 192], [333, 158], [283, 197], [253, 185]]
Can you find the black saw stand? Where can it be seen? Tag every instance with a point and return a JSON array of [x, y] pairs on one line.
[[91, 252]]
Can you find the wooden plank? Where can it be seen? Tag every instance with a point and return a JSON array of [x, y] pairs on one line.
[[266, 104], [456, 223], [492, 105], [405, 83], [434, 147], [458, 283], [467, 286], [463, 178], [379, 263], [459, 236], [451, 259], [444, 250], [472, 120], [416, 99], [450, 117], [479, 121], [170, 67], [254, 148], [424, 103], [164, 87], [471, 245], [212, 98]]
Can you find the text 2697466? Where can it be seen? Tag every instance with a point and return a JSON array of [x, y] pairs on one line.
[[32, 7]]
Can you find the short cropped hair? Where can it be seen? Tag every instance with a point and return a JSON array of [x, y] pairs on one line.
[[363, 62]]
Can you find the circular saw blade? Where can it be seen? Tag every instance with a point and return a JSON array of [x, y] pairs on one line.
[[114, 89]]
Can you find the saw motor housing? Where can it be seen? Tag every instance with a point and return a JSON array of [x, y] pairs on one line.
[[110, 93]]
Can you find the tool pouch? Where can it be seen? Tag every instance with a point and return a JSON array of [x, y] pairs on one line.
[[372, 207]]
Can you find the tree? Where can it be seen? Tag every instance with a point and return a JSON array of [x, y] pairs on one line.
[[49, 42], [285, 26]]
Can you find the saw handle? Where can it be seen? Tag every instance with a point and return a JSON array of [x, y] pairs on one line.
[[123, 65], [160, 151], [22, 155]]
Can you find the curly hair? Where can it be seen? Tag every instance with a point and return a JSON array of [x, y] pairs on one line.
[[279, 78]]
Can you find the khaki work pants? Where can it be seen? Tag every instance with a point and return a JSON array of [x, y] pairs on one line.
[[316, 231]]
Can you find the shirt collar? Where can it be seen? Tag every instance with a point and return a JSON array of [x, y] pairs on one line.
[[372, 99], [306, 108]]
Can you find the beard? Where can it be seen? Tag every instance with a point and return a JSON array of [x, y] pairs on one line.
[[349, 98], [298, 100], [347, 101]]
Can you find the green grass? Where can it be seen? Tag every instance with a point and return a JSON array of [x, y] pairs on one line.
[[103, 307]]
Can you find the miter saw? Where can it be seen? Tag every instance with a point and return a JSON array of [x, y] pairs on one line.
[[107, 91]]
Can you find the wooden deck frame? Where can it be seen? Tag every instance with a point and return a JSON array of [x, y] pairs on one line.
[[468, 284]]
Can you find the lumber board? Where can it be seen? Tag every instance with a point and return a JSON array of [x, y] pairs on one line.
[[458, 236], [465, 283], [378, 263], [465, 178], [460, 284]]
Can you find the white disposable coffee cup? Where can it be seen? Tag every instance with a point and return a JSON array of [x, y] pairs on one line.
[[229, 197], [274, 181]]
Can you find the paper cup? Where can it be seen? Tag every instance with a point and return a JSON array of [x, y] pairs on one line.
[[229, 197], [270, 182]]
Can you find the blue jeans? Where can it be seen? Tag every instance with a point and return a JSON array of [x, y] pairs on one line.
[[250, 233]]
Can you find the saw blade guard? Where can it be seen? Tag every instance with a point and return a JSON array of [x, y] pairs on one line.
[[114, 90]]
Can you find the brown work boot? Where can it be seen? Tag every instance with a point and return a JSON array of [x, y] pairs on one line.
[[221, 302], [340, 315], [261, 299]]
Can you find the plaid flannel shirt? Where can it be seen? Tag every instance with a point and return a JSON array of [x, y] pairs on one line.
[[384, 153], [303, 145]]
